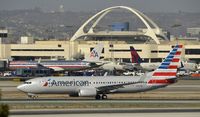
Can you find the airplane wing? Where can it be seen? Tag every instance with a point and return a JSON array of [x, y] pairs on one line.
[[56, 68], [112, 88]]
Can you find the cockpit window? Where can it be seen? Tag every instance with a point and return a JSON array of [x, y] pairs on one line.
[[27, 82]]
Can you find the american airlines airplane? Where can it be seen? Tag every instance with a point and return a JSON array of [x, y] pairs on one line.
[[73, 65], [138, 64], [99, 87], [112, 65]]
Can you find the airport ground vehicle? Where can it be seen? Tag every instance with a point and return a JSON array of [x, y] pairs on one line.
[[7, 74], [183, 73]]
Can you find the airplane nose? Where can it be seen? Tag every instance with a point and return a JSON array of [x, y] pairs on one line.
[[20, 87]]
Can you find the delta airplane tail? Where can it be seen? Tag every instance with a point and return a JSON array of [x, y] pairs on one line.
[[134, 56], [95, 53], [166, 73]]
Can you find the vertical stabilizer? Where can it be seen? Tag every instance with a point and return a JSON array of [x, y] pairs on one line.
[[166, 72], [134, 56], [95, 53]]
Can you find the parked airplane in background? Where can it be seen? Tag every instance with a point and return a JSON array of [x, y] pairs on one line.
[[112, 65], [98, 87], [138, 64], [95, 54], [61, 65]]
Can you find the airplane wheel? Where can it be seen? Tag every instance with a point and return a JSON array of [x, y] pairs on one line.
[[97, 97], [32, 96], [104, 97]]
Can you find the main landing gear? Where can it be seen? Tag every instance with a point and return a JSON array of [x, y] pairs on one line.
[[99, 97]]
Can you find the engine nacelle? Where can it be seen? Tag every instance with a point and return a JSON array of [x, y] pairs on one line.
[[87, 92]]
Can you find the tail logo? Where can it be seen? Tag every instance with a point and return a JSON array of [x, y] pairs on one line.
[[166, 72], [93, 54], [134, 55]]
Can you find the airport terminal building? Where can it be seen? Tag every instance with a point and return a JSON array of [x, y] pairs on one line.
[[150, 43], [119, 50]]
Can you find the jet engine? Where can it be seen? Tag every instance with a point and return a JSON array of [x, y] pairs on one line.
[[87, 92]]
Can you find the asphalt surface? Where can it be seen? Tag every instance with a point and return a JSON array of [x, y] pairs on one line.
[[90, 101], [102, 111], [182, 114]]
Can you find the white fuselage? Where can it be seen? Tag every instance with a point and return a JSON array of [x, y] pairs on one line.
[[71, 85], [153, 66], [110, 66]]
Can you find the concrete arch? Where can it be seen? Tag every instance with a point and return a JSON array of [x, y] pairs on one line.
[[150, 32]]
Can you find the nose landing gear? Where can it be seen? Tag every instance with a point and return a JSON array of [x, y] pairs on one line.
[[32, 96]]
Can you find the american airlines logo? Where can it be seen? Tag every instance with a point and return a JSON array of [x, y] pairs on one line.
[[94, 54], [51, 83], [47, 83]]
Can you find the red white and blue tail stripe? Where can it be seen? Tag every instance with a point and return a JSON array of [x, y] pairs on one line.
[[166, 72]]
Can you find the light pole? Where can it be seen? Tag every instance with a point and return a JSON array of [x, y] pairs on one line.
[[69, 35], [111, 42]]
